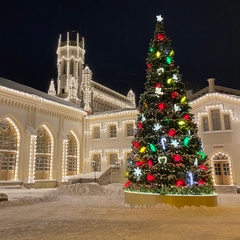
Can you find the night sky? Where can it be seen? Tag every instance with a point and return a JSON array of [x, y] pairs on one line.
[[205, 36]]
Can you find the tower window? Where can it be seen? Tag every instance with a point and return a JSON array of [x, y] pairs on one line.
[[71, 66], [64, 67]]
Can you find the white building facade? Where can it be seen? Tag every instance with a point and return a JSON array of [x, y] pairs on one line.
[[45, 139]]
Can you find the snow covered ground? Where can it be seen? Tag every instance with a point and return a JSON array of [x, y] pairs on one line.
[[89, 211]]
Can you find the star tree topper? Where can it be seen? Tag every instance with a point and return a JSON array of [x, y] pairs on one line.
[[159, 18]]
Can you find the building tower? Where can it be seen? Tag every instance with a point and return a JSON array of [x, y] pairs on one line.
[[70, 65]]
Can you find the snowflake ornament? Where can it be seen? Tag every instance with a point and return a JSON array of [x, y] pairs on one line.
[[175, 143], [157, 126], [159, 91], [175, 77], [138, 172], [176, 108]]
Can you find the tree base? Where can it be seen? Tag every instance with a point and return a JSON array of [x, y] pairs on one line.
[[149, 199]]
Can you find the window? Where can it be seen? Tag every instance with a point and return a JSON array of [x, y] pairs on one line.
[[71, 154], [64, 67], [43, 154], [216, 124], [226, 122], [8, 150], [96, 132], [113, 131], [129, 130], [217, 169], [97, 159], [129, 155], [205, 124], [113, 158], [71, 67], [226, 169]]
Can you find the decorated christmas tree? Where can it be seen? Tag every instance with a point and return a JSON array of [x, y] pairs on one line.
[[167, 154]]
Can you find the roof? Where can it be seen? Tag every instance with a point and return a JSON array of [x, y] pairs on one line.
[[26, 89], [218, 89]]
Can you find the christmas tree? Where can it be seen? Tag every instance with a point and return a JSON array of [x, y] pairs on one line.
[[167, 155]]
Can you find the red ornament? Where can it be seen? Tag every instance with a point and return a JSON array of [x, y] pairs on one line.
[[139, 164], [176, 158], [139, 125], [161, 106], [148, 65], [136, 144], [127, 184], [203, 167], [150, 163], [160, 36], [200, 182], [150, 177], [186, 117], [180, 182], [158, 85], [175, 95], [172, 132]]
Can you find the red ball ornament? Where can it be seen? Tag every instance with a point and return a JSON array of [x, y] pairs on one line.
[[161, 106], [139, 125], [160, 37], [150, 177], [127, 184], [172, 132], [203, 167], [158, 85], [177, 158], [180, 182], [148, 65], [139, 164], [150, 163], [200, 182], [175, 95], [136, 144], [186, 117]]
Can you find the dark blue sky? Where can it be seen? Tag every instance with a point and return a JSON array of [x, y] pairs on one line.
[[205, 35]]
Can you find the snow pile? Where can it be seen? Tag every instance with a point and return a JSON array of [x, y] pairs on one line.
[[29, 200], [113, 191]]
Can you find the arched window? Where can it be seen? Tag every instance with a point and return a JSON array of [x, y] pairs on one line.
[[8, 150], [43, 154], [71, 154]]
